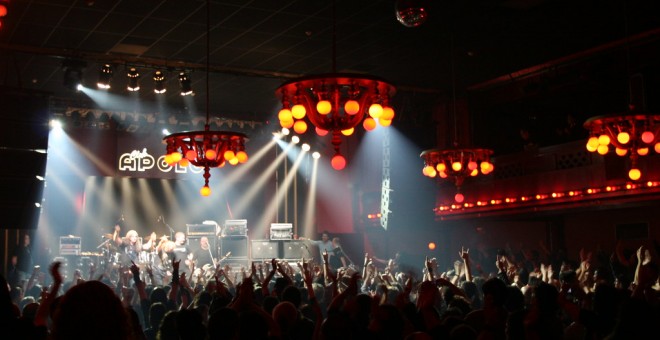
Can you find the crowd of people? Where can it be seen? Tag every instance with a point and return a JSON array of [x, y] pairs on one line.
[[516, 294]]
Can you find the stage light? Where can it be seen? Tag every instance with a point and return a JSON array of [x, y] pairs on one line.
[[184, 82], [305, 147], [285, 131], [295, 139], [316, 155], [55, 124], [73, 70], [133, 77], [159, 82], [105, 75]]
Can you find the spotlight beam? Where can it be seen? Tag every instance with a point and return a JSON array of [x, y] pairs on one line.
[[271, 209]]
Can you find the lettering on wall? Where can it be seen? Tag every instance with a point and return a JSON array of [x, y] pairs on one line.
[[142, 161]]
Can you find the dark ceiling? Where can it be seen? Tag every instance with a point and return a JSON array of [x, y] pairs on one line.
[[256, 45]]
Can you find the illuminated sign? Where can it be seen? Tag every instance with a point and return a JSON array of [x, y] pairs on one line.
[[142, 161]]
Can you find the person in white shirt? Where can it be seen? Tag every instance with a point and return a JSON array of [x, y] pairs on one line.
[[324, 244]]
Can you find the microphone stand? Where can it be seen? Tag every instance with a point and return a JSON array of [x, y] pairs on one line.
[[168, 227]]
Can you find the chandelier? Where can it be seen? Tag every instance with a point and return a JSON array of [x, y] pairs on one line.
[[631, 134], [206, 149], [455, 165], [335, 103]]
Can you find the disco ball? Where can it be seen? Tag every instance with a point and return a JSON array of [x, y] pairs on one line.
[[411, 13]]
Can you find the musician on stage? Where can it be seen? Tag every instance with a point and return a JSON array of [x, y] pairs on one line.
[[203, 255], [182, 253], [161, 266], [130, 248]]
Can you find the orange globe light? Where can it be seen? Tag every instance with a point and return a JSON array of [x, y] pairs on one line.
[[384, 122], [284, 115], [184, 162], [176, 157], [375, 110], [442, 174], [388, 113], [229, 155], [623, 137], [286, 123], [168, 159], [233, 161], [474, 172], [457, 166], [592, 144], [634, 174], [298, 111], [369, 124], [323, 107], [603, 149], [210, 154], [347, 132], [648, 137], [621, 152], [643, 151], [205, 190], [191, 155], [300, 127], [321, 132], [441, 167], [352, 107], [431, 246], [242, 156], [338, 162], [657, 147], [459, 198], [429, 171], [472, 165], [604, 140], [3, 10]]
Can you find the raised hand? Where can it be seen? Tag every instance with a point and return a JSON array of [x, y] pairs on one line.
[[464, 254], [55, 272], [273, 265], [325, 257]]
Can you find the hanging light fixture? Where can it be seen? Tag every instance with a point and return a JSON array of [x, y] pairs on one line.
[[105, 75], [632, 133], [184, 82], [133, 77], [456, 164], [335, 103], [159, 82], [206, 149], [629, 134]]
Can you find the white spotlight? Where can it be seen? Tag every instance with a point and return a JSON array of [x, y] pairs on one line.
[[79, 87], [166, 132], [316, 155], [37, 204], [305, 147], [285, 131], [295, 139], [55, 124], [41, 178]]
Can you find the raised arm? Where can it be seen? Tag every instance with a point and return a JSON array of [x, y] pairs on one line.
[[464, 254], [41, 318]]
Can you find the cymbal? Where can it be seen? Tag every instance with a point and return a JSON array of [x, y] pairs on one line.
[[107, 236]]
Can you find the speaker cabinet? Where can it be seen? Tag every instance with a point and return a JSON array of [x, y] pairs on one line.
[[193, 244], [294, 249], [265, 249], [237, 245]]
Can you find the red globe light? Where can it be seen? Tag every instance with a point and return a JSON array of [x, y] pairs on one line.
[[338, 162]]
